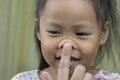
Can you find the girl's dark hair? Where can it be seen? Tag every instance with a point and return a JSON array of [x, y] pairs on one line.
[[106, 10], [40, 6]]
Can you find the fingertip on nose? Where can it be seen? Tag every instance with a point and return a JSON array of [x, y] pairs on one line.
[[67, 44]]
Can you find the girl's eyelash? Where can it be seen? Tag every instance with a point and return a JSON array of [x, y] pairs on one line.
[[79, 34], [54, 32], [82, 34]]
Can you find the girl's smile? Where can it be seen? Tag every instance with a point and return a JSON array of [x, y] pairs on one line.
[[62, 22], [74, 57]]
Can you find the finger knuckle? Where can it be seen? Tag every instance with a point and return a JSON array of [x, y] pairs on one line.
[[63, 66]]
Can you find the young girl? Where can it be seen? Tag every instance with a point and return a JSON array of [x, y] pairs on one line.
[[72, 37]]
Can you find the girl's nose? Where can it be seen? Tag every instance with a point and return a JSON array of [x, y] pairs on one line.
[[62, 42]]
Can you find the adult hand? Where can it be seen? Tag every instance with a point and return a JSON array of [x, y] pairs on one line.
[[63, 70]]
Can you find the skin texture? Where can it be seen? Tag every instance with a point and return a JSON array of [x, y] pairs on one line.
[[70, 38]]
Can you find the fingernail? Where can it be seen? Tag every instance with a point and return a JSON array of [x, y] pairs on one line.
[[89, 76], [81, 68], [67, 46]]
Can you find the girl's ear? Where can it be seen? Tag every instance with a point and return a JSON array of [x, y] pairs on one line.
[[104, 34], [37, 25]]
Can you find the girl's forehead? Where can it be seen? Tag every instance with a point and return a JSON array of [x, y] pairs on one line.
[[69, 7], [69, 0], [68, 4], [73, 5], [69, 11]]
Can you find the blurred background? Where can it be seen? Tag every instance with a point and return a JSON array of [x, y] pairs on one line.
[[17, 47]]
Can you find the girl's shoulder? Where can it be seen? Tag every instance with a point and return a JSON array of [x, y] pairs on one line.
[[28, 75], [106, 75]]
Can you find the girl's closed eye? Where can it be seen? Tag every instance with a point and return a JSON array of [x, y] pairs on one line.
[[82, 34], [53, 33]]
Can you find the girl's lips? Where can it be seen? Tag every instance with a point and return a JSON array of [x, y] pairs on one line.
[[73, 60]]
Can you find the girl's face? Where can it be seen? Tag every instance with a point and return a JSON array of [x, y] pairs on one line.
[[74, 22]]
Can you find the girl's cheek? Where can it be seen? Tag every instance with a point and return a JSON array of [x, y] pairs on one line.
[[48, 45], [89, 53], [48, 51], [45, 44]]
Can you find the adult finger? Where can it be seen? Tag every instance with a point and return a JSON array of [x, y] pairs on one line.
[[45, 76], [63, 70], [78, 73], [88, 76]]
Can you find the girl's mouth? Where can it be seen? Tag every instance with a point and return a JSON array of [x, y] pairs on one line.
[[73, 60]]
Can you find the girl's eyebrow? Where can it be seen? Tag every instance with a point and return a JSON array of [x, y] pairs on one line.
[[81, 25], [54, 24]]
